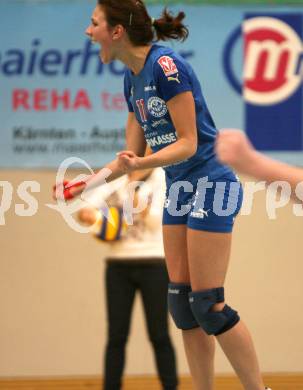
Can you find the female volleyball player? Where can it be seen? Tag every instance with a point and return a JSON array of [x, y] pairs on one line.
[[167, 111]]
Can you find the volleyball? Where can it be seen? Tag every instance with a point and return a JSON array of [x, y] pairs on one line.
[[111, 225]]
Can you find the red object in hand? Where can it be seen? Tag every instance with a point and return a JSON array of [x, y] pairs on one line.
[[67, 188]]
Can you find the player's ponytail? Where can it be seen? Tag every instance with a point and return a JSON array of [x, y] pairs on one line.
[[140, 27], [170, 27]]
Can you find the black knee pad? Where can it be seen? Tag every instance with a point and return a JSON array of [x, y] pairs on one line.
[[179, 307], [212, 322]]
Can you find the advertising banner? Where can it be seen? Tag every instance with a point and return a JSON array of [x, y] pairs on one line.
[[58, 100]]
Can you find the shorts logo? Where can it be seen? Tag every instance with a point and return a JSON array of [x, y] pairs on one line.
[[168, 65], [156, 106], [200, 213], [273, 58]]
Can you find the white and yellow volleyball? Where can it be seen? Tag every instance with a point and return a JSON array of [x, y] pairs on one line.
[[110, 225]]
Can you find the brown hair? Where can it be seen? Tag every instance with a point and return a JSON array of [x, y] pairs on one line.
[[140, 27]]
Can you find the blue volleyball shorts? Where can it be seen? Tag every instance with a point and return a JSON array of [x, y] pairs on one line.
[[203, 204]]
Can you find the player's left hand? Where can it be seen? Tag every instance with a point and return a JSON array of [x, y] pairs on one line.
[[128, 160]]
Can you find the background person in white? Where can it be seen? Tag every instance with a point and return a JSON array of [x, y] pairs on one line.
[[136, 263]]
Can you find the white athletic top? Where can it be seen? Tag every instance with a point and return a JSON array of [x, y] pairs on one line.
[[143, 238]]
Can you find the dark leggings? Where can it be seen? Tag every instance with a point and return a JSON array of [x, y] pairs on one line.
[[123, 279]]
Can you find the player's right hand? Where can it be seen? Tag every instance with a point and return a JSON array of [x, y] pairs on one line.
[[128, 161]]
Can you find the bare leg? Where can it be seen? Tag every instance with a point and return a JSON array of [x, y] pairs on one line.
[[200, 352], [239, 349], [199, 347], [208, 255]]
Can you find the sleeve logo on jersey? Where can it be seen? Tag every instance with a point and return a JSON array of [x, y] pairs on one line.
[[176, 78], [168, 65]]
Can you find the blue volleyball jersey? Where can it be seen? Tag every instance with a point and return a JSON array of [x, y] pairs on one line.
[[165, 75]]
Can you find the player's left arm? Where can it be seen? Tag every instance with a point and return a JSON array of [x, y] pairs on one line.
[[182, 112], [176, 91]]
